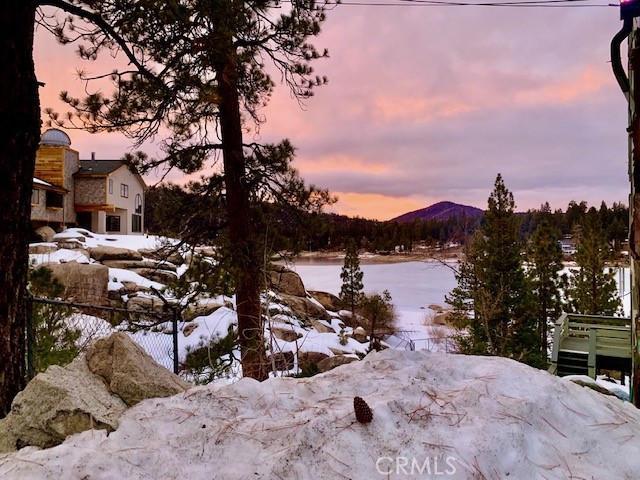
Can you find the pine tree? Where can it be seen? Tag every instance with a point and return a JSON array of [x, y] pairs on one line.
[[492, 300], [351, 275], [545, 263], [591, 290]]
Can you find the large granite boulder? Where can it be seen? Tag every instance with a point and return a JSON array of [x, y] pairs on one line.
[[130, 372], [327, 300], [45, 233], [305, 308], [103, 253], [84, 282], [58, 403], [283, 280]]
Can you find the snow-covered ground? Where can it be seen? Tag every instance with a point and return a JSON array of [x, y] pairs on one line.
[[434, 416]]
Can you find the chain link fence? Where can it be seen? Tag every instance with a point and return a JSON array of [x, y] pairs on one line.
[[58, 331]]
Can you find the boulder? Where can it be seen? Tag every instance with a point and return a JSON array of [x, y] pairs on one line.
[[338, 351], [84, 282], [160, 276], [132, 287], [163, 254], [327, 300], [145, 304], [441, 318], [45, 233], [133, 264], [359, 335], [58, 403], [42, 248], [283, 280], [285, 334], [304, 308], [130, 372], [71, 244], [322, 327], [189, 328], [307, 359], [350, 319], [200, 310], [333, 362], [103, 252]]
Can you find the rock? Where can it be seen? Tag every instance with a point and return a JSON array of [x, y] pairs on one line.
[[285, 334], [114, 295], [160, 276], [45, 233], [441, 319], [304, 308], [307, 359], [189, 328], [42, 249], [200, 310], [283, 280], [102, 253], [145, 304], [350, 319], [359, 335], [435, 307], [132, 287], [58, 403], [284, 361], [130, 372], [327, 300], [333, 362], [71, 244], [84, 282], [322, 327], [338, 351], [166, 254], [133, 264]]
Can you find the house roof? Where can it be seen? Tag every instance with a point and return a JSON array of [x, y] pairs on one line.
[[42, 185], [99, 167]]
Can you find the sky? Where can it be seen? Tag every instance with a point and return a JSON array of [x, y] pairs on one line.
[[429, 104]]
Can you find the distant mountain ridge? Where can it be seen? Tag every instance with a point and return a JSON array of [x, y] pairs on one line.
[[439, 211]]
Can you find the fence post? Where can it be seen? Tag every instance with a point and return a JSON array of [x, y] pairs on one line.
[[30, 338], [174, 333]]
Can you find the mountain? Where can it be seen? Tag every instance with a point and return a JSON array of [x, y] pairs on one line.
[[439, 211]]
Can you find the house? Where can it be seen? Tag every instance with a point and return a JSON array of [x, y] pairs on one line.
[[104, 196], [568, 246]]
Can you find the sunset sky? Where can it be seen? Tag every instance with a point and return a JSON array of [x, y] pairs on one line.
[[426, 104]]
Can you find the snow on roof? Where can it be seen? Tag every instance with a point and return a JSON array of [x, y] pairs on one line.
[[434, 416], [37, 181]]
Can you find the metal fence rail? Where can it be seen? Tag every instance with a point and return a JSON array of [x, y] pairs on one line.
[[82, 324]]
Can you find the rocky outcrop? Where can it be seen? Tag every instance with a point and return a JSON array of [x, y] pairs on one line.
[[333, 362], [132, 264], [305, 308], [58, 403], [84, 283], [145, 304], [103, 253], [307, 359], [130, 372], [283, 280], [160, 276], [327, 300], [164, 254]]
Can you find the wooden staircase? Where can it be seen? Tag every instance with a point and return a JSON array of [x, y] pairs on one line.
[[582, 344]]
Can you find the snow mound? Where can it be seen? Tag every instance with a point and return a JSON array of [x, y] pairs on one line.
[[464, 417]]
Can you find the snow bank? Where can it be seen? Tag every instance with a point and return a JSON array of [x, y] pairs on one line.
[[434, 416]]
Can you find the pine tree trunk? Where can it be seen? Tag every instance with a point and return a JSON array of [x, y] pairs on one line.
[[244, 255], [19, 136]]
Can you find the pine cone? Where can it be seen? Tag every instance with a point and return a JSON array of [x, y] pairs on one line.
[[363, 412]]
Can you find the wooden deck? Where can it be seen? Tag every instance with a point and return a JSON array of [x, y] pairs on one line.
[[582, 344]]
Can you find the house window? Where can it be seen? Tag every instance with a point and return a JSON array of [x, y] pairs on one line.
[[35, 197], [113, 223], [138, 204], [136, 223], [124, 190], [53, 199], [111, 185]]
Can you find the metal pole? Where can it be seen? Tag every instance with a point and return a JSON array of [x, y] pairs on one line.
[[175, 340]]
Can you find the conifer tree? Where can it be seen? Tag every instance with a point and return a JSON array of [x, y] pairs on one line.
[[351, 276], [492, 301], [545, 263], [592, 289]]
